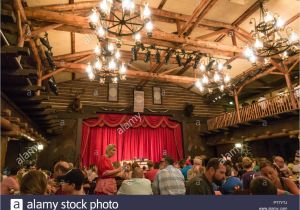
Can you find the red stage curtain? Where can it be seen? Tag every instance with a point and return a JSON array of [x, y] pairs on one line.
[[135, 136]]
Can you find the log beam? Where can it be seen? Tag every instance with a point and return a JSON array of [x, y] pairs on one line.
[[80, 68]]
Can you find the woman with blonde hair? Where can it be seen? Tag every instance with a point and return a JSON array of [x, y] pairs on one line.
[[106, 183], [196, 169]]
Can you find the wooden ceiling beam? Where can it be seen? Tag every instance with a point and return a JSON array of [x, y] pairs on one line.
[[247, 13], [161, 4], [266, 72], [159, 35], [200, 16], [195, 14], [40, 30], [165, 16], [214, 33], [80, 68]]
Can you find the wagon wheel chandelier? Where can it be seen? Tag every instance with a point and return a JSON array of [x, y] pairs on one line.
[[212, 75], [119, 18], [107, 64], [271, 37]]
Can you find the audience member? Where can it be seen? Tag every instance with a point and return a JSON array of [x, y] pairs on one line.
[[283, 185], [284, 170], [10, 184], [231, 184], [196, 168], [249, 174], [151, 173], [72, 182], [262, 186], [33, 183], [137, 185], [202, 184], [169, 181]]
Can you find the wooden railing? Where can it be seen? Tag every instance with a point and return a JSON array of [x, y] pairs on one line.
[[278, 104]]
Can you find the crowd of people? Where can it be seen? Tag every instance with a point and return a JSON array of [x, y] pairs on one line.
[[196, 176]]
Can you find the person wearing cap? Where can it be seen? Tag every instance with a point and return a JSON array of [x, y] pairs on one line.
[[169, 181], [106, 183], [72, 182]]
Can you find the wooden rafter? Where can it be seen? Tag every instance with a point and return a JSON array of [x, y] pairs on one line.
[[266, 72], [162, 15], [63, 69], [200, 17], [80, 68], [45, 29], [247, 13], [193, 17], [214, 33], [161, 4]]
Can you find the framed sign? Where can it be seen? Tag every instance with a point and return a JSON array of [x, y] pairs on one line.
[[156, 95], [138, 101], [113, 92]]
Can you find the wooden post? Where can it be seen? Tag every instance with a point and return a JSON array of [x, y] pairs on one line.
[[290, 89], [4, 141], [236, 101]]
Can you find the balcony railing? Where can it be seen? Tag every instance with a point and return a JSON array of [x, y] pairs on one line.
[[278, 104]]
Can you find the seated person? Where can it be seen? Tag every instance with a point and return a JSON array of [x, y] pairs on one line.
[[283, 185], [72, 182], [262, 186], [10, 184], [232, 184], [137, 185], [33, 183]]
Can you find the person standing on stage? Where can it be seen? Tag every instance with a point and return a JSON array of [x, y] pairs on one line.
[[106, 183]]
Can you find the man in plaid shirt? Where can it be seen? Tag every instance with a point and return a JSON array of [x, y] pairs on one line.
[[169, 181]]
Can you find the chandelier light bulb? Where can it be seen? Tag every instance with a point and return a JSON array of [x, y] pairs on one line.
[[114, 79], [123, 69], [98, 65], [268, 17], [91, 76], [221, 88], [112, 65], [94, 17], [105, 6], [101, 32], [248, 52], [97, 50], [220, 66], [252, 59], [149, 27], [258, 44], [146, 12], [279, 23], [284, 55], [110, 47], [137, 38], [293, 37], [226, 78], [102, 80], [89, 68], [198, 84], [127, 5], [205, 79], [216, 77], [118, 55], [202, 67]]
